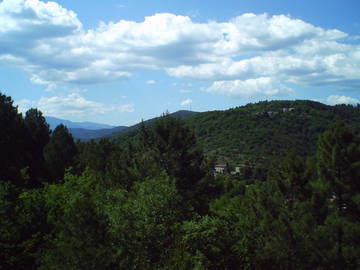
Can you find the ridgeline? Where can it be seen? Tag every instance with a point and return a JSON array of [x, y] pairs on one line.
[[261, 134]]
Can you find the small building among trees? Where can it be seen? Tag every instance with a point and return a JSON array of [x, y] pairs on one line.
[[221, 169]]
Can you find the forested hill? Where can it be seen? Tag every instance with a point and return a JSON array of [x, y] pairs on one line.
[[266, 131], [182, 114], [124, 136], [156, 203], [259, 134]]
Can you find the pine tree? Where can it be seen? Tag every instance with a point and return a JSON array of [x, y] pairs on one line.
[[59, 153], [14, 154], [39, 137], [173, 146], [338, 161]]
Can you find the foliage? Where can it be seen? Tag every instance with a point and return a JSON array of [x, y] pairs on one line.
[[154, 203], [14, 153], [144, 226], [59, 153], [259, 135], [338, 158], [79, 238], [38, 138]]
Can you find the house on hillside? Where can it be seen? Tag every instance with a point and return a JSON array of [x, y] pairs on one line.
[[221, 169], [237, 169], [288, 109], [271, 113]]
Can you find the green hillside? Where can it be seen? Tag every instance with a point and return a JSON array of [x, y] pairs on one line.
[[125, 136], [266, 131], [261, 134]]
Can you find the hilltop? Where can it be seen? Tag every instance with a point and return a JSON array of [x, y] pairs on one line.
[[260, 134], [128, 133]]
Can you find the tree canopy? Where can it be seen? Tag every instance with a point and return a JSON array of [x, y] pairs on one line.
[[155, 202]]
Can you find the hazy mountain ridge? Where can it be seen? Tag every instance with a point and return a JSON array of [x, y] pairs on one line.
[[88, 134], [86, 131], [53, 122]]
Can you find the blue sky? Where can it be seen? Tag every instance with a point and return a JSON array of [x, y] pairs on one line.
[[118, 62]]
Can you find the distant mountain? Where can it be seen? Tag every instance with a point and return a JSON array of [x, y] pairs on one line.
[[86, 131], [53, 122], [87, 134]]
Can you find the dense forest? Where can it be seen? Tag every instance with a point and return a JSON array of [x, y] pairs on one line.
[[151, 200], [258, 136]]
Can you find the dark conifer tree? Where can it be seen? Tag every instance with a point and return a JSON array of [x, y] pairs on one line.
[[338, 162], [173, 146], [14, 154], [338, 158], [39, 132], [59, 153]]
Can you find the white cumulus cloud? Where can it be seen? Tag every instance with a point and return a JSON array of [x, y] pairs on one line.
[[263, 86], [186, 102], [72, 105], [335, 99], [234, 53]]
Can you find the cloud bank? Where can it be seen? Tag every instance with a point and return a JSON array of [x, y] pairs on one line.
[[249, 54], [72, 105], [264, 86], [335, 99]]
